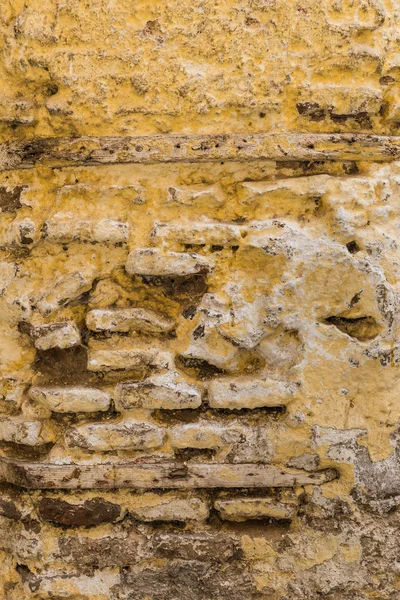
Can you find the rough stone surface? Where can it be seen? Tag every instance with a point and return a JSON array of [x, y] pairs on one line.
[[170, 508], [88, 513], [116, 435], [65, 400], [199, 300], [236, 394], [126, 359], [56, 335], [195, 546], [25, 431], [166, 390], [243, 509], [128, 319]]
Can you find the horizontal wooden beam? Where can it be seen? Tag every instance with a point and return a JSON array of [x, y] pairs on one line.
[[35, 475], [58, 152]]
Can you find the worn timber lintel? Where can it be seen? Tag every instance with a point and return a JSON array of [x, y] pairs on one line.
[[150, 476], [198, 148]]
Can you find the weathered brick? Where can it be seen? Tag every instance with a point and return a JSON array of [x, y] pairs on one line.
[[65, 228], [63, 291], [135, 359], [194, 546], [114, 550], [203, 435], [236, 394], [165, 390], [170, 508], [80, 514], [243, 509], [243, 444], [22, 430], [71, 399], [200, 233], [190, 580], [56, 335], [48, 583], [128, 319], [286, 189], [115, 435], [154, 262]]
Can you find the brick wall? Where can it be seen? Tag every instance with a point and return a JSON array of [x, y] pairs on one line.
[[199, 358]]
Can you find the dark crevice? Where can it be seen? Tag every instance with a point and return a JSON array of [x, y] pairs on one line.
[[202, 369], [361, 328]]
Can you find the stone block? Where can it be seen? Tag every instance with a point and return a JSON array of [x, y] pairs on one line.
[[90, 512], [71, 399], [139, 359], [128, 319], [195, 546], [170, 507], [56, 335], [237, 394], [201, 233], [65, 228], [111, 551], [203, 436], [155, 263], [246, 508], [28, 432], [109, 436], [63, 291], [338, 100], [165, 390]]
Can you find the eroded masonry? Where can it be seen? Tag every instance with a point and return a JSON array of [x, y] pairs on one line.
[[199, 301]]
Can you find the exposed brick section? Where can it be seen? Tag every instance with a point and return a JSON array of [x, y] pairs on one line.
[[190, 580], [242, 444], [200, 233], [338, 102], [204, 435], [153, 262], [195, 546], [74, 399], [115, 435], [56, 335], [128, 319], [115, 550], [170, 508], [88, 513], [135, 359], [243, 509], [166, 391], [62, 292], [238, 394], [49, 582], [25, 431], [63, 229]]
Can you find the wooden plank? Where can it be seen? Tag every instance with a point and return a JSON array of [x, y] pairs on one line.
[[198, 148], [152, 476]]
